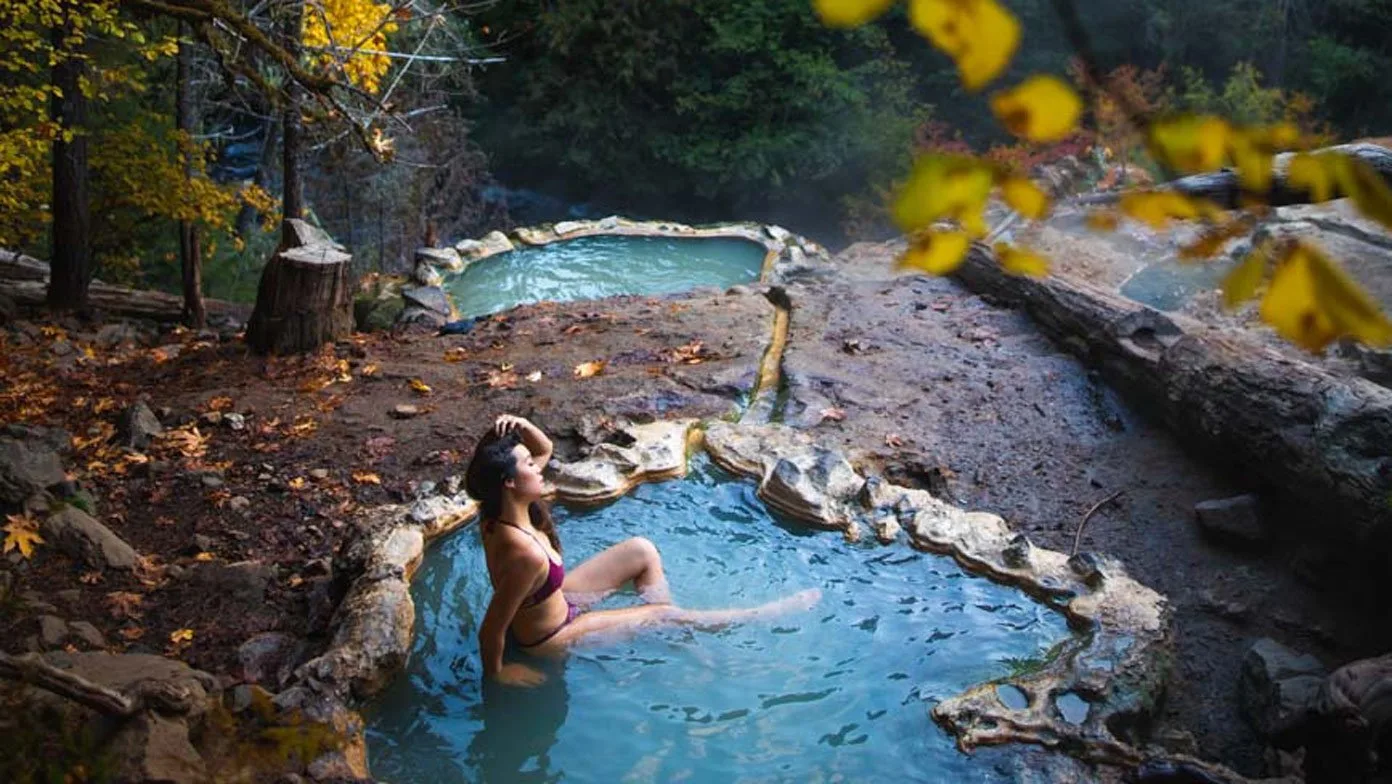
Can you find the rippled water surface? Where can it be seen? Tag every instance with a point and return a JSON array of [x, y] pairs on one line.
[[837, 693], [595, 267]]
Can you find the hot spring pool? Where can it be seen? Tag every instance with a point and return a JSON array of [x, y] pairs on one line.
[[837, 693], [605, 266]]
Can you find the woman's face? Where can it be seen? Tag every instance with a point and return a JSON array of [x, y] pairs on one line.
[[526, 484]]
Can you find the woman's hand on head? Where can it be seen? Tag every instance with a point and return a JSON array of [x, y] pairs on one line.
[[515, 674], [508, 423]]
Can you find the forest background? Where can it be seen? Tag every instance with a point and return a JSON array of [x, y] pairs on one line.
[[529, 110]]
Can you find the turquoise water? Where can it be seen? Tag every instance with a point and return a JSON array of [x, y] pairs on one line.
[[1168, 285], [595, 267], [837, 693]]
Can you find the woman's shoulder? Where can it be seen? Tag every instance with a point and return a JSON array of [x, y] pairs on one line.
[[511, 545]]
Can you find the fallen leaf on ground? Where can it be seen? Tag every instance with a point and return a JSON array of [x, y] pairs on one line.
[[833, 414], [366, 478], [368, 370], [894, 440], [297, 483], [456, 354], [587, 369], [204, 557], [90, 578], [420, 386], [500, 379], [124, 604], [22, 532], [181, 635], [132, 632]]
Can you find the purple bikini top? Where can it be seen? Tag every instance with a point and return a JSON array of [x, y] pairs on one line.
[[555, 572]]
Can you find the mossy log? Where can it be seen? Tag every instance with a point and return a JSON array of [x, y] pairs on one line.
[[305, 298], [1293, 429]]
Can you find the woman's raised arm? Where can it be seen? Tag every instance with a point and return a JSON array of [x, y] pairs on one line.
[[536, 441]]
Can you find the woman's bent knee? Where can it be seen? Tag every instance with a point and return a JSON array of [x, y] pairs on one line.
[[644, 547]]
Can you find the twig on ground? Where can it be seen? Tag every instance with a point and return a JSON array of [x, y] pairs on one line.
[[1078, 537]]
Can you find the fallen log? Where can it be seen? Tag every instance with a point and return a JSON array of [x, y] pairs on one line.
[[1293, 429], [1223, 188], [121, 301]]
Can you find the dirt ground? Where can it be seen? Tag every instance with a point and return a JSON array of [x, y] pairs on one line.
[[913, 376]]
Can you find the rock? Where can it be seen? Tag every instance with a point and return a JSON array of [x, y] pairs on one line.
[[235, 421], [1017, 554], [138, 426], [319, 473], [53, 631], [239, 503], [424, 274], [202, 543], [569, 227], [405, 411], [81, 536], [1234, 520], [1277, 687], [55, 438], [69, 597], [270, 658], [88, 634], [429, 297], [887, 528], [447, 259], [494, 242], [211, 480], [154, 747], [414, 314], [372, 641], [26, 467], [814, 489], [244, 581], [376, 314]]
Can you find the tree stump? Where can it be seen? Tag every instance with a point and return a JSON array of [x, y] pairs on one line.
[[304, 299]]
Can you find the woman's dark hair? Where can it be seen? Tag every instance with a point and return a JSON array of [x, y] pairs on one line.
[[493, 464]]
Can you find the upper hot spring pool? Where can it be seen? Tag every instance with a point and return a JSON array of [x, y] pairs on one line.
[[605, 266], [837, 693]]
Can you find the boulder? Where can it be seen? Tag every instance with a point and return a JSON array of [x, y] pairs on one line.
[[447, 259], [430, 298], [81, 536], [244, 581], [375, 314], [26, 468], [1233, 520], [270, 658], [425, 274], [88, 634], [53, 631], [415, 314], [815, 488], [154, 747], [139, 426], [117, 333], [492, 243], [1277, 687]]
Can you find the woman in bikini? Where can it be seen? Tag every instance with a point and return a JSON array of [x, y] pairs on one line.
[[535, 600]]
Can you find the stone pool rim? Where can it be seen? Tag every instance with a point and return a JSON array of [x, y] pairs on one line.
[[787, 255], [1118, 658]]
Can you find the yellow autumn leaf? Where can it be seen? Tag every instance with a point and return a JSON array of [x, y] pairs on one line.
[[1191, 143], [204, 557], [22, 533], [1242, 282], [849, 13], [368, 370], [298, 483], [1212, 240], [456, 354], [1101, 220], [941, 186], [1025, 197], [1018, 261], [1158, 208], [181, 635], [1361, 183], [936, 252], [1039, 109], [420, 386], [366, 478], [979, 35], [1253, 160], [1310, 302], [587, 369]]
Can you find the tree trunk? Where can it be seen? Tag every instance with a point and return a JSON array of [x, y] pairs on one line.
[[305, 298], [190, 252], [292, 197], [72, 221], [246, 217], [1300, 432]]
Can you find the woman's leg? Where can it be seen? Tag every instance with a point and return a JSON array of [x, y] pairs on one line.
[[633, 559], [626, 621]]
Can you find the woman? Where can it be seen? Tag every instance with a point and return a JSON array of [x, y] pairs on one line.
[[534, 599]]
